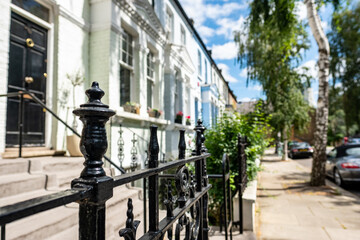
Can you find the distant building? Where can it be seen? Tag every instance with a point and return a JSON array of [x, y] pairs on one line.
[[246, 107]]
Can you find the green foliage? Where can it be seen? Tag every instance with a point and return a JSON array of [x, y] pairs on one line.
[[270, 46], [222, 138], [344, 65]]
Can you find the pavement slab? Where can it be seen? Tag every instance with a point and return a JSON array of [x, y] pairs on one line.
[[289, 208]]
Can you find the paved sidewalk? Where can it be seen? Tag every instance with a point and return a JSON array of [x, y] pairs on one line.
[[288, 208]]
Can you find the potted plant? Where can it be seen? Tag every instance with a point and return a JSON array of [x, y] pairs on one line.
[[153, 112], [132, 107], [179, 117], [73, 141], [188, 120]]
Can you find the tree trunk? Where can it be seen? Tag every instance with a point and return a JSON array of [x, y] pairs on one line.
[[318, 166], [285, 155]]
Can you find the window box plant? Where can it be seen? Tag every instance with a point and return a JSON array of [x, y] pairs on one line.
[[153, 112], [132, 107], [188, 120], [179, 117]]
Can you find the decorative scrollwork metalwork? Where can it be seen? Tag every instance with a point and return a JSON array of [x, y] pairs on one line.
[[134, 156], [129, 233], [169, 201], [182, 185], [121, 143]]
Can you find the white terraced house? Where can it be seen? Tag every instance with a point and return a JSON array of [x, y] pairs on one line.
[[147, 57]]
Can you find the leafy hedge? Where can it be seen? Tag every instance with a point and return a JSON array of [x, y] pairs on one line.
[[222, 138]]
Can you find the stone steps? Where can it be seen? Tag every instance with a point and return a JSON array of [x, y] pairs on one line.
[[24, 179], [14, 166], [13, 184], [43, 225], [31, 152]]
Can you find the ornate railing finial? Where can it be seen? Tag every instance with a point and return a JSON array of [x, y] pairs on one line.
[[129, 233], [182, 144], [200, 127], [94, 114], [198, 142], [153, 147]]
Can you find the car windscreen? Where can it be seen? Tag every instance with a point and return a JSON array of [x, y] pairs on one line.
[[353, 151], [301, 145]]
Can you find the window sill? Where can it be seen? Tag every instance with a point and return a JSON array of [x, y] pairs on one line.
[[122, 116], [177, 126]]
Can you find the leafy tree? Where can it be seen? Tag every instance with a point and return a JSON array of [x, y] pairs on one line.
[[337, 128], [270, 47], [345, 60]]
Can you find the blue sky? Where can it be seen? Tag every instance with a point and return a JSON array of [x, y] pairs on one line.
[[216, 20]]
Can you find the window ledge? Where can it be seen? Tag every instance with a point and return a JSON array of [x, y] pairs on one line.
[[177, 126], [122, 116]]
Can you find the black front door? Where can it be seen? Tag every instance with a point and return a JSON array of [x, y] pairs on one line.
[[27, 61]]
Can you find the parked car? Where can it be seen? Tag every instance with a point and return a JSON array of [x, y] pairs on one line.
[[301, 150], [343, 164], [354, 141]]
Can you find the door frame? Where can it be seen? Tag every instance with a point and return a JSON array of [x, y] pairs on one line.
[[49, 26]]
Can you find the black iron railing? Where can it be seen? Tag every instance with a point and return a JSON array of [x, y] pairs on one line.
[[242, 177], [30, 95], [226, 212], [93, 188]]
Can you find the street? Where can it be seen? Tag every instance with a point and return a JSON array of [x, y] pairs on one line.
[[351, 187]]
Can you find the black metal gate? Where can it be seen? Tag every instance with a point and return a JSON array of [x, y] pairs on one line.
[[93, 188]]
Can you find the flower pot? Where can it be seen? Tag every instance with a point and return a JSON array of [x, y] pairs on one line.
[[178, 120], [73, 146], [131, 109], [154, 114], [188, 123]]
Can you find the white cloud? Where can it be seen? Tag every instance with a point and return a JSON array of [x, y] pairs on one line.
[[312, 68], [246, 99], [325, 26], [243, 73], [301, 10], [225, 51], [200, 11], [228, 26], [205, 31], [216, 11], [256, 88], [226, 74]]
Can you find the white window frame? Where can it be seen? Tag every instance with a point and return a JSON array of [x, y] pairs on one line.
[[127, 65], [150, 79]]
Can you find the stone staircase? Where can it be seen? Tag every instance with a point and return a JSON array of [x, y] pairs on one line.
[[28, 152], [25, 178]]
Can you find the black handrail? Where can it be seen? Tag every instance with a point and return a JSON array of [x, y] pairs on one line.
[[38, 101]]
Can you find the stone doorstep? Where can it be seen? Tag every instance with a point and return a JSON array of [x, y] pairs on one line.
[[28, 152]]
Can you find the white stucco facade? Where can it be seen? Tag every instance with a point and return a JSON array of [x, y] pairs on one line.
[[91, 38]]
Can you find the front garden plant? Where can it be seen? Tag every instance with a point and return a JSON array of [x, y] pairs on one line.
[[222, 138]]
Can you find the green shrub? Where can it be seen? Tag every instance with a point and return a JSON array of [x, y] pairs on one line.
[[222, 138]]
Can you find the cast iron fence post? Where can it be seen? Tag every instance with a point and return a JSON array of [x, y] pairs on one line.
[[94, 114], [242, 143], [153, 181]]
